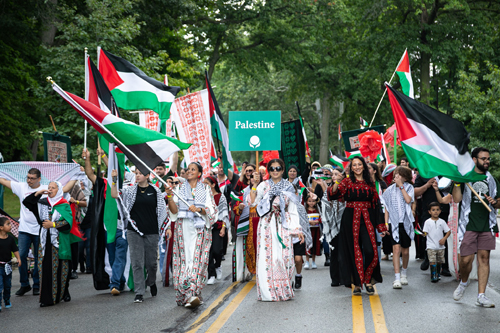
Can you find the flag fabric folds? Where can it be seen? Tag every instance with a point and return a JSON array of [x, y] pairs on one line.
[[352, 154], [132, 88], [435, 143], [339, 161], [404, 72], [149, 146]]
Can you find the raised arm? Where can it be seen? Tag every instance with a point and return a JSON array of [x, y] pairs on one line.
[[457, 193], [175, 162], [69, 186], [5, 183], [88, 167], [114, 186]]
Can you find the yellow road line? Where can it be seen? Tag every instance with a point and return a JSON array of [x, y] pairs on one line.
[[378, 313], [228, 311], [358, 315], [205, 315]]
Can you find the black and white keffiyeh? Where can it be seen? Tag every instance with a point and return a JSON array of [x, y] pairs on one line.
[[223, 211], [399, 210], [129, 194], [193, 196], [276, 190]]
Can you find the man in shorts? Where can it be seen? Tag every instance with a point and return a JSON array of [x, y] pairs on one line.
[[476, 226]]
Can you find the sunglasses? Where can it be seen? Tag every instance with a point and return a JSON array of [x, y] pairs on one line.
[[176, 183], [278, 168]]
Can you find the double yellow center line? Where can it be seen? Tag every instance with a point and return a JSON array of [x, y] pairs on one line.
[[358, 315]]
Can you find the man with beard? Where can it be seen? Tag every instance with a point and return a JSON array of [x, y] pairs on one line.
[[161, 171], [477, 226], [424, 188]]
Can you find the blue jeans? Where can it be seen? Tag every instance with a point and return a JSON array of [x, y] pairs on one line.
[[117, 253], [85, 245], [24, 242], [5, 284]]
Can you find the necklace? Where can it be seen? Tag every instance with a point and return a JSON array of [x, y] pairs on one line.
[[141, 188]]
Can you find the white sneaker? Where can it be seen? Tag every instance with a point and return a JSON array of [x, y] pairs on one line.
[[459, 292], [397, 285], [484, 302], [218, 272], [404, 280], [211, 280], [306, 265], [313, 266]]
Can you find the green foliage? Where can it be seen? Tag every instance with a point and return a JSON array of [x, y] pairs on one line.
[[476, 103]]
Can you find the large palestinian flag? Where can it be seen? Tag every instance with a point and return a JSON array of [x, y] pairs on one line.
[[132, 89], [219, 129], [147, 146], [434, 143]]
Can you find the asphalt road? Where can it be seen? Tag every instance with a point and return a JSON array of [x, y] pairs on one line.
[[233, 307]]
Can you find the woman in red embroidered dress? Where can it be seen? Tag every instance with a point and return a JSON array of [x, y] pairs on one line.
[[358, 255]]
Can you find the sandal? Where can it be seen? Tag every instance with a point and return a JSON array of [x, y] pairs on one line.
[[356, 291], [369, 289]]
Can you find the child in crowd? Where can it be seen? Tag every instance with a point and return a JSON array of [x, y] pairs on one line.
[[7, 246], [314, 217], [434, 229], [398, 200]]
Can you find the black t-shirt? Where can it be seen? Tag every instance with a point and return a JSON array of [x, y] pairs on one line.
[[144, 211], [428, 197], [7, 246]]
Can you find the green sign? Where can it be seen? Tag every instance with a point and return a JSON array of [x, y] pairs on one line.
[[254, 130]]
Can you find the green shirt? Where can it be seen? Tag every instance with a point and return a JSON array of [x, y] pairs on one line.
[[479, 217]]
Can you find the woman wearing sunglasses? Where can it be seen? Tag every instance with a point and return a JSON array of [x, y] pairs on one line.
[[277, 207]]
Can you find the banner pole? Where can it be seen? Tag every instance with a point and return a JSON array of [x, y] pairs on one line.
[[396, 147], [118, 142], [257, 160], [480, 199]]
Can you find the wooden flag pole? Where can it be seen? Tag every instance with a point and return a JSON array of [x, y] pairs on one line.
[[480, 199], [257, 161], [53, 125]]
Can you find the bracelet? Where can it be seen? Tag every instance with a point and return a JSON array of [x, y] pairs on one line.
[[254, 189], [53, 224], [401, 188], [103, 155], [223, 225], [336, 182], [169, 196], [77, 202], [113, 184], [457, 185]]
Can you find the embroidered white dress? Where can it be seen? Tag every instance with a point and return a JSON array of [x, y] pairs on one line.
[[191, 251], [275, 263]]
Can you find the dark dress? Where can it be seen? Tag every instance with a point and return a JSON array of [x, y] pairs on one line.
[[358, 255]]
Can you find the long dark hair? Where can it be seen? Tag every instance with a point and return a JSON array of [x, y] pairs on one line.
[[378, 176], [366, 173], [243, 178], [212, 181]]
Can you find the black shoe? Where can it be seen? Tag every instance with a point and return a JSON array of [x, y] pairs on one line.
[[74, 275], [138, 299], [223, 258], [327, 259], [298, 282], [67, 298], [82, 268], [335, 284], [369, 290], [425, 264], [154, 290], [23, 290], [445, 272], [36, 291], [357, 291]]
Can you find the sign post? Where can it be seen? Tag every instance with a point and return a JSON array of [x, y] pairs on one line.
[[254, 131]]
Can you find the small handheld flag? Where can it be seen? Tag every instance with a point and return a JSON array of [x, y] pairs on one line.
[[362, 123], [236, 197]]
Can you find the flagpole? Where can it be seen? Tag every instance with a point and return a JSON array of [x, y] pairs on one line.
[[121, 145], [86, 98], [396, 147], [385, 91]]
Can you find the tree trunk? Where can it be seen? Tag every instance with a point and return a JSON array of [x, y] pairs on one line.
[[215, 57], [425, 78], [325, 128], [49, 28]]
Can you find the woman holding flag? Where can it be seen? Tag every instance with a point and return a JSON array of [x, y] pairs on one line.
[[192, 235], [277, 206], [54, 215]]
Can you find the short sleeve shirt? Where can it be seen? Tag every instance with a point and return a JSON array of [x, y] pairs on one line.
[[27, 221], [435, 231], [479, 216], [7, 247]]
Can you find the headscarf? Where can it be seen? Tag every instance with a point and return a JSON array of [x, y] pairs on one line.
[[58, 196]]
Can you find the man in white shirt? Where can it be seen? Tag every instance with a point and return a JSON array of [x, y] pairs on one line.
[[29, 229]]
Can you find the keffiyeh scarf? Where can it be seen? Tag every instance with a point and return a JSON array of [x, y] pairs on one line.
[[276, 190], [193, 196], [399, 210]]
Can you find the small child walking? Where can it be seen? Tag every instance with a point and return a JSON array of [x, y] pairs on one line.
[[7, 246], [434, 229], [398, 200], [314, 217]]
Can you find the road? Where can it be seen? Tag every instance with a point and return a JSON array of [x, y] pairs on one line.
[[232, 307]]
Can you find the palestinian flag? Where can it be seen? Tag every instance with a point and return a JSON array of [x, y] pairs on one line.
[[219, 129], [215, 164], [352, 154], [66, 238], [434, 142], [149, 147], [303, 128], [132, 89], [236, 197], [339, 161], [362, 123], [302, 187], [404, 73]]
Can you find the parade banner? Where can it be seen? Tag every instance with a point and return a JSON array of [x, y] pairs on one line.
[[350, 138], [191, 114], [254, 130], [293, 147], [57, 148]]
